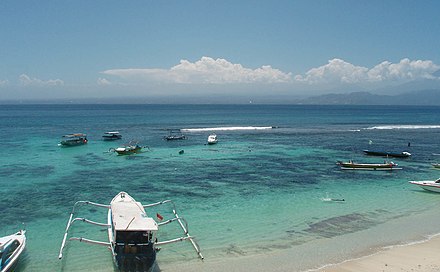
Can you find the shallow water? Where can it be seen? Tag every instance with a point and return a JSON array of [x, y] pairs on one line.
[[256, 191]]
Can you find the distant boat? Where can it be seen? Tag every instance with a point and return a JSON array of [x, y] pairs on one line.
[[174, 136], [11, 247], [111, 136], [436, 165], [350, 165], [132, 233], [74, 139], [212, 139], [429, 185], [403, 154]]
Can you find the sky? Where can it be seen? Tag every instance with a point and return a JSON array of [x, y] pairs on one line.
[[105, 48]]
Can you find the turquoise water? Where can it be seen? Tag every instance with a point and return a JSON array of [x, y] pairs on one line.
[[256, 191]]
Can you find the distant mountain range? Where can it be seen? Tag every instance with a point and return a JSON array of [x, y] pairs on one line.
[[424, 97]]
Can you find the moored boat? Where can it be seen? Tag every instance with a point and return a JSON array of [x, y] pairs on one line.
[[350, 165], [174, 136], [128, 149], [428, 185], [436, 165], [403, 154], [111, 136], [212, 139], [11, 247], [73, 139], [132, 233]]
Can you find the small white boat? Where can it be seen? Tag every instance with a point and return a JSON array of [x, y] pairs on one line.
[[128, 149], [212, 139], [436, 165], [11, 247], [132, 234], [429, 185], [111, 136]]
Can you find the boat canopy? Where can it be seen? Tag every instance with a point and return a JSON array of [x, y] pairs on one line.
[[112, 132], [75, 135], [131, 216]]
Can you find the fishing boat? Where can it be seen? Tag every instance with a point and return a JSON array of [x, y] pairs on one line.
[[73, 139], [212, 139], [128, 149], [429, 185], [132, 233], [111, 136], [403, 154], [174, 136], [11, 247], [350, 165]]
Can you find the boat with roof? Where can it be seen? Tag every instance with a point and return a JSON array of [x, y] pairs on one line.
[[174, 135], [428, 185], [11, 247], [132, 234], [73, 139], [403, 154], [350, 165], [111, 136]]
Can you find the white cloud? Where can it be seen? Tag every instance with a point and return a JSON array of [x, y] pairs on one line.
[[205, 71], [103, 81], [339, 71], [4, 82], [25, 80]]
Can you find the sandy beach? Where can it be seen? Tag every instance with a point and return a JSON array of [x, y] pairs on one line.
[[415, 257], [422, 257]]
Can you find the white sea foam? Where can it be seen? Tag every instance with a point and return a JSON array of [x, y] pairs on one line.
[[223, 129], [406, 127]]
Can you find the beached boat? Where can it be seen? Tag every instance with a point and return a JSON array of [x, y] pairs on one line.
[[132, 233], [11, 247], [350, 165], [429, 185], [403, 154], [111, 136], [73, 139], [212, 139]]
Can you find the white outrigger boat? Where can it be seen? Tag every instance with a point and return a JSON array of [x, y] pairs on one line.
[[132, 233], [11, 247]]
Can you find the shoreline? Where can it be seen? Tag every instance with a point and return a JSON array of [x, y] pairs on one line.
[[416, 256]]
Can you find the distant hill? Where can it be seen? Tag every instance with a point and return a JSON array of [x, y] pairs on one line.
[[425, 97]]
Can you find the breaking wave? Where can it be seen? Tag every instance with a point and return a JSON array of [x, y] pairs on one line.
[[223, 129], [406, 127]]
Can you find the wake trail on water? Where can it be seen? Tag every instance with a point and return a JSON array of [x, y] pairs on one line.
[[389, 127]]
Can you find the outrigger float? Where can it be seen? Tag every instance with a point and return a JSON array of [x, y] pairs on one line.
[[132, 233]]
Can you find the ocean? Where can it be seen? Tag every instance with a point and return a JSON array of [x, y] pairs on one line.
[[258, 190]]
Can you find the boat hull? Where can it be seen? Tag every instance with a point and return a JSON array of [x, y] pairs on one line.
[[387, 154], [125, 257], [12, 261], [368, 166], [427, 185]]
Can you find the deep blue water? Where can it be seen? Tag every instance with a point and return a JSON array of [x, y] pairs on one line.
[[227, 192]]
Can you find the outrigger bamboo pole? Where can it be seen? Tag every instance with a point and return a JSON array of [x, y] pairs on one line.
[[194, 244]]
